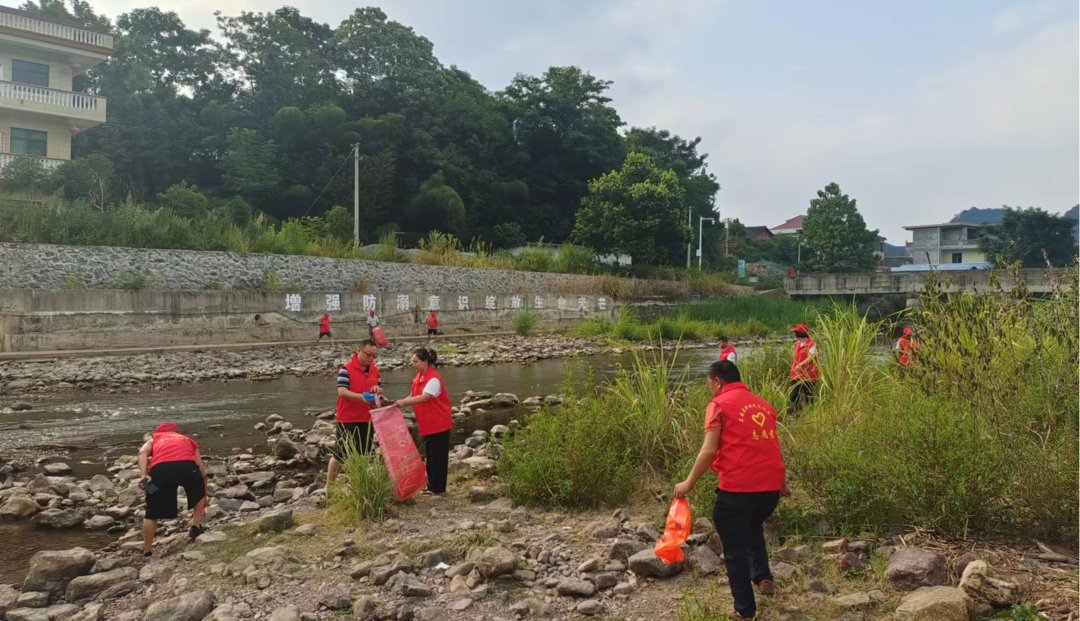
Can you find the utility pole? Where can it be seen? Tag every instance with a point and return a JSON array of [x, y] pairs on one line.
[[798, 261], [356, 195], [689, 243], [727, 240], [701, 230]]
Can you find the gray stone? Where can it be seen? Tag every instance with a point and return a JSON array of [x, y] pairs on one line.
[[132, 496], [8, 599], [912, 568], [937, 603], [307, 530], [286, 613], [86, 587], [623, 588], [461, 604], [100, 522], [28, 614], [229, 612], [605, 580], [837, 546], [591, 607], [605, 530], [364, 609], [462, 569], [334, 597], [119, 590], [155, 573], [92, 612], [647, 565], [212, 536], [783, 571], [276, 521], [705, 561], [430, 614], [57, 469], [18, 508], [849, 560], [624, 548], [59, 518], [188, 607], [986, 591], [408, 585], [32, 599], [853, 600], [575, 587], [228, 505], [101, 483], [52, 570], [432, 558], [496, 561]]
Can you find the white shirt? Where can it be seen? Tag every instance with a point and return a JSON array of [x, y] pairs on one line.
[[372, 321], [433, 387]]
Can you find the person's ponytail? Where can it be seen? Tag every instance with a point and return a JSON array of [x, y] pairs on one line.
[[427, 355]]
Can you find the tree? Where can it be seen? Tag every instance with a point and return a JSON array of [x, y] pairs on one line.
[[1025, 234], [437, 207], [249, 164], [184, 200], [89, 177], [26, 172], [835, 238], [636, 211]]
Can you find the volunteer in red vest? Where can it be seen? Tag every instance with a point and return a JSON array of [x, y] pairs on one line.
[[324, 328], [167, 462], [906, 347], [431, 404], [804, 369], [727, 350], [432, 327], [354, 432], [741, 447], [372, 323]]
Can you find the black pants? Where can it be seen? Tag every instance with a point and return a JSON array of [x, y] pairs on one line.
[[437, 460], [739, 517], [801, 393]]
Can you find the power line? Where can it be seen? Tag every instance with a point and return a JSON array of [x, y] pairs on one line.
[[331, 181]]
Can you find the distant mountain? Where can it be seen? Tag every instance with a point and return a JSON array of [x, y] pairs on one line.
[[1074, 213], [976, 215], [891, 250]]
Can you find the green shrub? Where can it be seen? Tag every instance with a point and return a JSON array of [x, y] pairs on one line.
[[270, 282], [533, 259], [363, 490], [592, 328], [135, 281], [574, 260], [75, 279], [525, 321]]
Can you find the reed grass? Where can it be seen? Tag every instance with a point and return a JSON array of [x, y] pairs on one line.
[[363, 490]]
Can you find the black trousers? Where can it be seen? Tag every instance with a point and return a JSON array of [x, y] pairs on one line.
[[437, 460], [739, 517], [802, 392]]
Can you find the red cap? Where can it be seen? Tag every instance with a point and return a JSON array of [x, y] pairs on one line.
[[371, 312], [166, 427], [908, 330], [801, 328]]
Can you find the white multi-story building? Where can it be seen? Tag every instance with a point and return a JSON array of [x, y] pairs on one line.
[[39, 58]]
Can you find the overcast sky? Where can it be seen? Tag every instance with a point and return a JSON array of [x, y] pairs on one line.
[[918, 109]]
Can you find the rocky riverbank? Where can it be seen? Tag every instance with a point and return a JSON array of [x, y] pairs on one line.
[[160, 370], [273, 553]]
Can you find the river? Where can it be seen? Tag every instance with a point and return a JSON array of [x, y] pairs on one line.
[[221, 416]]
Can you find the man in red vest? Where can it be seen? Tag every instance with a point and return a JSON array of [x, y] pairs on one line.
[[727, 350], [804, 369], [324, 328], [167, 462], [742, 448], [354, 432], [906, 347], [432, 327]]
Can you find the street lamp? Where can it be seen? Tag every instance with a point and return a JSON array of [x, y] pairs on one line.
[[701, 229], [798, 261]]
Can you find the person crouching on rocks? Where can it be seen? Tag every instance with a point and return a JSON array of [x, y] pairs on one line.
[[431, 404], [167, 462], [741, 447]]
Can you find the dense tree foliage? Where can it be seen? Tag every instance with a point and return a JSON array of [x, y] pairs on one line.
[[1024, 235], [270, 108], [835, 237]]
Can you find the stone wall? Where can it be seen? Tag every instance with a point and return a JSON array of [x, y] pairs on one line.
[[41, 266]]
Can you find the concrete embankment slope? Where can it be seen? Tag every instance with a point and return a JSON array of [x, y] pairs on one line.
[[56, 298]]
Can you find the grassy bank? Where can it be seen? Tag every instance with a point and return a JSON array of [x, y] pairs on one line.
[[980, 438], [746, 316]]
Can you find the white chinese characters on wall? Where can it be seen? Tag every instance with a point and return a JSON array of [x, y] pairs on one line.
[[490, 302], [515, 302], [403, 303], [333, 302], [369, 303], [463, 302], [433, 302], [601, 303], [292, 302]]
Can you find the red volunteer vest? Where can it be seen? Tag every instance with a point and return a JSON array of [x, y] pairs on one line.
[[172, 446], [727, 352], [324, 324], [433, 415], [906, 353], [748, 459], [359, 382], [809, 372], [432, 322]]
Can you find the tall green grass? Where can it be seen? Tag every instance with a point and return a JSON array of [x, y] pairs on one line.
[[363, 490], [525, 321]]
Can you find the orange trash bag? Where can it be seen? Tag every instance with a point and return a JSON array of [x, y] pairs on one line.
[[380, 338], [399, 452], [676, 531]]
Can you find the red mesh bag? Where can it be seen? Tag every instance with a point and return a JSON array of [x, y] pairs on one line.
[[399, 452]]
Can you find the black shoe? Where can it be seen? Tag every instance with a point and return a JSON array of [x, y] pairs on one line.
[[194, 532]]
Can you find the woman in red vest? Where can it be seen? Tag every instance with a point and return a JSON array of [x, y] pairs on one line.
[[727, 350], [906, 347], [742, 448], [804, 369], [432, 327], [167, 462], [431, 404]]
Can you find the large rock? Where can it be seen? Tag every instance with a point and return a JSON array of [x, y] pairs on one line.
[[8, 597], [52, 570], [59, 518], [496, 561], [408, 585], [986, 591], [276, 521], [28, 614], [283, 447], [61, 612], [286, 613], [188, 607], [647, 565], [912, 568], [57, 469], [86, 587], [575, 587], [938, 603], [132, 496], [705, 561], [101, 483], [18, 508], [334, 597], [92, 612], [100, 522]]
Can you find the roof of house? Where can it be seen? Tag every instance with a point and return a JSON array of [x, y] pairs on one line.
[[942, 226], [754, 231], [50, 18], [794, 223]]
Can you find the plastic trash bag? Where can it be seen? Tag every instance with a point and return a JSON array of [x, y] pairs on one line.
[[676, 531], [379, 337], [399, 452]]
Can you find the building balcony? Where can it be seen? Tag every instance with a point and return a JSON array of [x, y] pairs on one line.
[[54, 31], [79, 109], [48, 163], [959, 244]]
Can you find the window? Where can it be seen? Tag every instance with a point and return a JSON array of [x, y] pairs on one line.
[[29, 73], [29, 142], [957, 257]]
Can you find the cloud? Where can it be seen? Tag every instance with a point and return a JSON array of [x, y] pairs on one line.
[[1023, 15]]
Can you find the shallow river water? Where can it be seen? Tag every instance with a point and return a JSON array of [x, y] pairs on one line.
[[221, 416]]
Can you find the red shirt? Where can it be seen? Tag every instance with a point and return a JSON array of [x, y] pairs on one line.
[[433, 415], [907, 350], [432, 322], [172, 446], [349, 411], [809, 371], [324, 324], [728, 352], [748, 458]]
